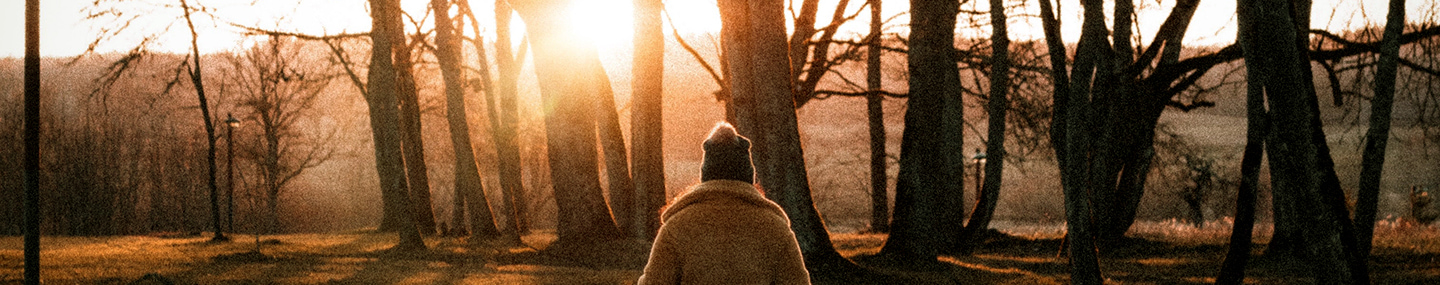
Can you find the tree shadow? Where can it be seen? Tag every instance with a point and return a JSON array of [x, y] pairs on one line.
[[624, 254]]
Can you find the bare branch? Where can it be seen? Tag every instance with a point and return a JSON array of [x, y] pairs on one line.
[[822, 94], [253, 31], [714, 75]]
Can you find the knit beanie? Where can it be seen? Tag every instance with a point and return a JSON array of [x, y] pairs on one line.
[[727, 156]]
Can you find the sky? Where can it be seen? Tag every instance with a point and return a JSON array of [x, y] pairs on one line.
[[67, 32]]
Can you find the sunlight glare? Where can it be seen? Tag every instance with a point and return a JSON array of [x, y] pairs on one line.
[[606, 23]]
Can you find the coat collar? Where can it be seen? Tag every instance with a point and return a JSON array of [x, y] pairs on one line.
[[722, 189]]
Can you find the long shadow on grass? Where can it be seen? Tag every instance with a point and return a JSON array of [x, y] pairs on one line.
[[623, 254]]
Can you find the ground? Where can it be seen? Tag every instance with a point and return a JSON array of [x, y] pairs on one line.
[[1161, 253]]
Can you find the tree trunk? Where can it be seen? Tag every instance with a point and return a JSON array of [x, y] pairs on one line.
[[617, 162], [1256, 130], [507, 149], [198, 81], [1059, 78], [467, 174], [1077, 165], [879, 179], [414, 140], [647, 161], [924, 196], [385, 122], [995, 147], [31, 174], [570, 123], [1373, 161], [1300, 166], [754, 37]]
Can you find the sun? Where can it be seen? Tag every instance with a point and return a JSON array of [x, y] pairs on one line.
[[605, 23]]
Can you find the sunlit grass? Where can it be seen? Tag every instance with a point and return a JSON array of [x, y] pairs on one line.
[[1184, 253]]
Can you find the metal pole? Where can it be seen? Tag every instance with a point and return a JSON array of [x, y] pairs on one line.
[[230, 171], [32, 142]]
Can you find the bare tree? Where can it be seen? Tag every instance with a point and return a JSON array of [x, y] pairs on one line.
[[411, 130], [503, 111], [997, 105], [753, 39], [468, 187], [197, 79], [32, 143], [569, 122], [1257, 125], [1302, 173], [385, 121], [879, 180], [617, 162], [925, 218], [1373, 161], [277, 94], [647, 162]]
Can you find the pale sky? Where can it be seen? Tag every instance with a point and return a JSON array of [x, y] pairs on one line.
[[65, 32]]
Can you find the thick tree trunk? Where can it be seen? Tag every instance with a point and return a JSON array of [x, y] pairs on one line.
[[31, 174], [1077, 164], [1373, 161], [414, 140], [879, 179], [569, 97], [995, 147], [1301, 169], [467, 174], [647, 161], [385, 122], [922, 225], [754, 36]]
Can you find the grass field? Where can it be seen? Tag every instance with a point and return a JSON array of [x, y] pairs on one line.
[[1162, 253]]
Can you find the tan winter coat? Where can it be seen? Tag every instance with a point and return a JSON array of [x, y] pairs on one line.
[[724, 232]]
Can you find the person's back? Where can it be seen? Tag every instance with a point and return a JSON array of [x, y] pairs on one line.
[[723, 231]]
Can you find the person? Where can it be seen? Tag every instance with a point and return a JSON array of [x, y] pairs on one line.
[[723, 230]]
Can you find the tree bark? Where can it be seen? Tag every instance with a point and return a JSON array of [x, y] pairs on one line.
[[1232, 271], [507, 149], [879, 179], [1373, 160], [31, 174], [617, 162], [755, 49], [1300, 166], [413, 139], [1059, 78], [647, 161], [385, 122], [995, 147], [569, 100], [467, 174], [1077, 166], [923, 223]]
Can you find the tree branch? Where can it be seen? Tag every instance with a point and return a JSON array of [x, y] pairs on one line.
[[253, 31], [822, 94]]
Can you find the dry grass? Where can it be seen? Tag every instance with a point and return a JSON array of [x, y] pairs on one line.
[[1162, 253]]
